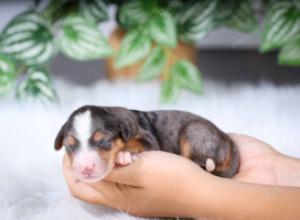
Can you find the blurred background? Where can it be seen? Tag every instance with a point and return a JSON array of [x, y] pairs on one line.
[[236, 63], [224, 55]]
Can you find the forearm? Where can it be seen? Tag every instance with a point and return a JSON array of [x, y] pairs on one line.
[[226, 199]]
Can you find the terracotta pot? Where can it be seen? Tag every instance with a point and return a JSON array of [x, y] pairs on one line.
[[182, 51]]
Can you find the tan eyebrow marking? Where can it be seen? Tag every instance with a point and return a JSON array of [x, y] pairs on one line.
[[70, 140], [97, 136]]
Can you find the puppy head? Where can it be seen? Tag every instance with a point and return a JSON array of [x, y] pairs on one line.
[[92, 136]]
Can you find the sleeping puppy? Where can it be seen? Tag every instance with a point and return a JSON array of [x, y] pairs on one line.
[[97, 138]]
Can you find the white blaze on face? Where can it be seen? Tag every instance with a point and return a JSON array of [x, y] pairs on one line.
[[87, 163], [83, 128]]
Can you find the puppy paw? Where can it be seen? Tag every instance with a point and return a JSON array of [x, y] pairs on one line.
[[124, 158], [210, 165]]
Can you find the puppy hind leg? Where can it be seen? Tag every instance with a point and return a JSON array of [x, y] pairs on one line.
[[210, 148], [187, 151]]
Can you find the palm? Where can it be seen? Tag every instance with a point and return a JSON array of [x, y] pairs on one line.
[[257, 160]]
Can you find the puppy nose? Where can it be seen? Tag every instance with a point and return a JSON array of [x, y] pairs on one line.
[[88, 170]]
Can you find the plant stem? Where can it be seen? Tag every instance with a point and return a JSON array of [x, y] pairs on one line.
[[21, 70], [170, 58]]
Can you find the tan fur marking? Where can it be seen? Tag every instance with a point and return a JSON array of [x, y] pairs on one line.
[[70, 140], [185, 148], [97, 136], [134, 146], [71, 156], [225, 164], [110, 156]]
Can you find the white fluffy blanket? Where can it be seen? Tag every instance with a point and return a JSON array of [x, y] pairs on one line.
[[32, 185]]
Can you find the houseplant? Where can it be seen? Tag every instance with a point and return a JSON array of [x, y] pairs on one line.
[[151, 32]]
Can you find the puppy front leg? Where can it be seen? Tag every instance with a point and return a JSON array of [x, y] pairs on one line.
[[125, 158], [128, 154], [142, 142]]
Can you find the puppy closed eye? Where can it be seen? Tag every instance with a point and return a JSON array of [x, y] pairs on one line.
[[103, 143], [101, 140]]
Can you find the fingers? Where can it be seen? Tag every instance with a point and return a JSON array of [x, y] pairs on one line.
[[137, 172], [241, 137], [248, 144], [81, 190], [143, 169]]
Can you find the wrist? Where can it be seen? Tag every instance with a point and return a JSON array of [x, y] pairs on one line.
[[287, 170]]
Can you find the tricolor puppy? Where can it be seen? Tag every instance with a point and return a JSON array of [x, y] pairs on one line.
[[97, 138]]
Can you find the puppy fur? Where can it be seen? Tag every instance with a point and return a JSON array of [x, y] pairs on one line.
[[109, 130]]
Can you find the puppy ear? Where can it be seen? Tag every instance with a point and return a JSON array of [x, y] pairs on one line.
[[58, 143]]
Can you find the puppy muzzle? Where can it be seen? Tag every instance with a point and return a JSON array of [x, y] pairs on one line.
[[90, 166]]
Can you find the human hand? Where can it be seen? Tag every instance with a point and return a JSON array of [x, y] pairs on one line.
[[163, 184], [261, 163], [257, 160], [156, 184]]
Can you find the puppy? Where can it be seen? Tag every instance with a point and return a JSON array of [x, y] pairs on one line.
[[97, 138]]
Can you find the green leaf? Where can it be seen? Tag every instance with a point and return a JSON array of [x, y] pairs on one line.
[[196, 19], [57, 10], [290, 54], [28, 38], [173, 6], [7, 74], [133, 13], [187, 76], [244, 18], [169, 91], [95, 10], [38, 85], [225, 10], [134, 47], [282, 24], [153, 65], [162, 28], [82, 40]]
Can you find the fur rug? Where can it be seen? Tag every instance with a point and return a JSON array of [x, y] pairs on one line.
[[32, 185]]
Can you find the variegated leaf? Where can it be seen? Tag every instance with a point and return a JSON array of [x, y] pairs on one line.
[[173, 6], [37, 84], [162, 28], [290, 53], [94, 10], [169, 91], [28, 38], [187, 76], [196, 19], [7, 74], [243, 18], [153, 65], [135, 46], [282, 24], [133, 12], [225, 10], [82, 40]]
